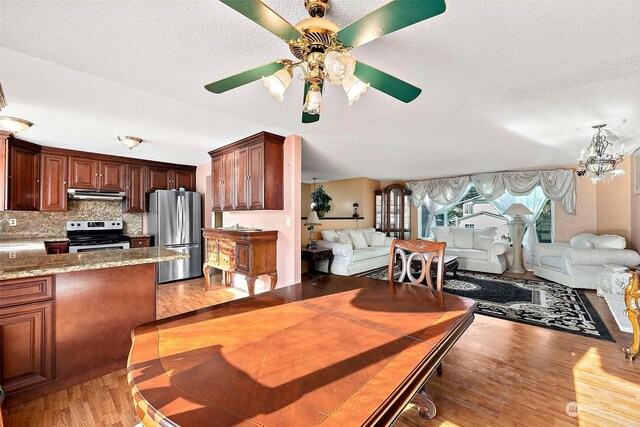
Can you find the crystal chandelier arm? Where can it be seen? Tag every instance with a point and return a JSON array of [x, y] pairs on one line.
[[262, 15], [391, 17], [386, 83]]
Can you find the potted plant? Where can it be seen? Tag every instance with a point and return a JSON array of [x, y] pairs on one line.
[[321, 201]]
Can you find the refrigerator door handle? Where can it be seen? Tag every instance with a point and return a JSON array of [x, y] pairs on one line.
[[179, 217]]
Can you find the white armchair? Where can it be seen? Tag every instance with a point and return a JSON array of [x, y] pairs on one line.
[[577, 264]]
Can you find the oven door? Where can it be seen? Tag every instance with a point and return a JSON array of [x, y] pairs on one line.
[[94, 248]]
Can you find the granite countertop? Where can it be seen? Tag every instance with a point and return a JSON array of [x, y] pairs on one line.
[[30, 263]]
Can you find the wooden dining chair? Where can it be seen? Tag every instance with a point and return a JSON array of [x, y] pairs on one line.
[[405, 252]]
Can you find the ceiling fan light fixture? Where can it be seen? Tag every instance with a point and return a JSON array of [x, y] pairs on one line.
[[313, 102], [130, 141], [339, 66], [354, 88], [278, 83], [14, 124]]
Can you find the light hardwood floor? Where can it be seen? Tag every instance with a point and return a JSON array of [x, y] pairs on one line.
[[500, 373]]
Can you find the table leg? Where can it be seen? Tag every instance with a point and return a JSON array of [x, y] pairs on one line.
[[274, 280], [425, 404], [632, 301], [454, 268], [312, 266], [206, 269], [251, 285], [330, 262]]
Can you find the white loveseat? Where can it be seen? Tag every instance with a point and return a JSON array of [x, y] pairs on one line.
[[476, 249], [354, 256], [577, 264]]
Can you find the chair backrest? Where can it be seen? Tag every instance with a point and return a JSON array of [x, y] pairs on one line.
[[405, 251]]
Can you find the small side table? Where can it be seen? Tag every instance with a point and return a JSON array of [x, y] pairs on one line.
[[312, 256]]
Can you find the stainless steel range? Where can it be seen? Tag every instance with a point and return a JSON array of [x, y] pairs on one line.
[[85, 236]]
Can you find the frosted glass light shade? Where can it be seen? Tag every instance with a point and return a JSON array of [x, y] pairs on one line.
[[313, 103], [14, 124], [130, 141], [277, 83], [312, 218], [517, 209], [339, 66], [354, 88]]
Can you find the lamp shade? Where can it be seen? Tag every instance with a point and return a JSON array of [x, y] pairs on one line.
[[312, 218], [130, 141], [517, 209], [14, 124]]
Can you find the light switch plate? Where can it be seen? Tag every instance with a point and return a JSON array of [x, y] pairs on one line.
[[288, 222]]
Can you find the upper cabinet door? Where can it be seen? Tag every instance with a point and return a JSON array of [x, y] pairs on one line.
[[112, 176], [216, 183], [228, 182], [53, 182], [256, 176], [184, 179], [83, 173], [242, 179], [157, 179], [24, 179], [135, 201]]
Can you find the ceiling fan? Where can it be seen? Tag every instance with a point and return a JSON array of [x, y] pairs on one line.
[[323, 51]]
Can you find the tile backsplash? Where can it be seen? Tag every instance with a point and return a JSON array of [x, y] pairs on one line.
[[51, 224]]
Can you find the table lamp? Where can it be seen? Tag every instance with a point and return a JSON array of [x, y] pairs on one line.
[[517, 228], [312, 221]]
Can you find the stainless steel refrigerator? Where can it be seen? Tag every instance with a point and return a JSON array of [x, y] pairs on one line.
[[174, 222]]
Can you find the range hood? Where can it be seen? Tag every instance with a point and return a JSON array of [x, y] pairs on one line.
[[80, 194]]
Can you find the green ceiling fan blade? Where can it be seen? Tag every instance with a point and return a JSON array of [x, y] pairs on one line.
[[386, 83], [262, 15], [243, 78], [391, 17], [309, 118]]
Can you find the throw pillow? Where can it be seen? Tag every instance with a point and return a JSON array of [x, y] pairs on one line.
[[582, 241], [344, 237], [448, 239], [377, 239], [367, 232], [358, 239], [439, 231], [609, 241], [462, 237], [482, 242], [329, 235]]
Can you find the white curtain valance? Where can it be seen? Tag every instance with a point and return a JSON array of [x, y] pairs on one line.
[[559, 184]]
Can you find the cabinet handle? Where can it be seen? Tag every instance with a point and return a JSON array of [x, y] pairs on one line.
[[64, 182], [100, 174], [96, 173]]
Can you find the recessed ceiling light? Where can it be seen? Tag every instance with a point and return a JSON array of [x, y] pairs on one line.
[[14, 124], [130, 141]]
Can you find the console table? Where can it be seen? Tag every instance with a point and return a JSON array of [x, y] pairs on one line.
[[247, 252]]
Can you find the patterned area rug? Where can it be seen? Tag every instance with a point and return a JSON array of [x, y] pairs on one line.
[[534, 302]]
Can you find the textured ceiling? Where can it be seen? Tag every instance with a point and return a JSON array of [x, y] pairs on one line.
[[505, 84]]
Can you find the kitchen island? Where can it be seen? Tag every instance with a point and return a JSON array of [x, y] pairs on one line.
[[67, 318]]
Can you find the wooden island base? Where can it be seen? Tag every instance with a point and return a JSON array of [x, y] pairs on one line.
[[85, 331]]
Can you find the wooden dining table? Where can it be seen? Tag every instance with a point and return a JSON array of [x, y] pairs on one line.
[[335, 351]]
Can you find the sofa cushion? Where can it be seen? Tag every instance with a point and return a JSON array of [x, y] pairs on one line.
[[467, 253], [380, 250], [439, 232], [344, 237], [377, 239], [551, 261], [367, 232], [608, 241], [362, 254], [480, 237], [462, 237], [582, 241], [357, 238], [329, 235]]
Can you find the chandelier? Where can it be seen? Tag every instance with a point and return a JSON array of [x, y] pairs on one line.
[[597, 160]]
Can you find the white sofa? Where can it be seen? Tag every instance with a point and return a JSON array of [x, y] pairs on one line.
[[352, 258], [476, 249], [577, 264]]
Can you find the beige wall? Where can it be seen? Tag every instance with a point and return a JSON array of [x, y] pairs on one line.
[[635, 207], [287, 221], [614, 205], [344, 193], [584, 221]]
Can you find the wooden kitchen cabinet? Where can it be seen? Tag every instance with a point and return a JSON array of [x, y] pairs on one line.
[[157, 178], [54, 248], [135, 200], [246, 252], [183, 179], [23, 175], [170, 179], [53, 182], [91, 174], [26, 333], [248, 174], [140, 242]]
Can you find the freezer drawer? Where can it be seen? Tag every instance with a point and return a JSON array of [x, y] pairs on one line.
[[169, 271]]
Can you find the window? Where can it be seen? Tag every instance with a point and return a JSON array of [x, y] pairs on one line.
[[473, 211]]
